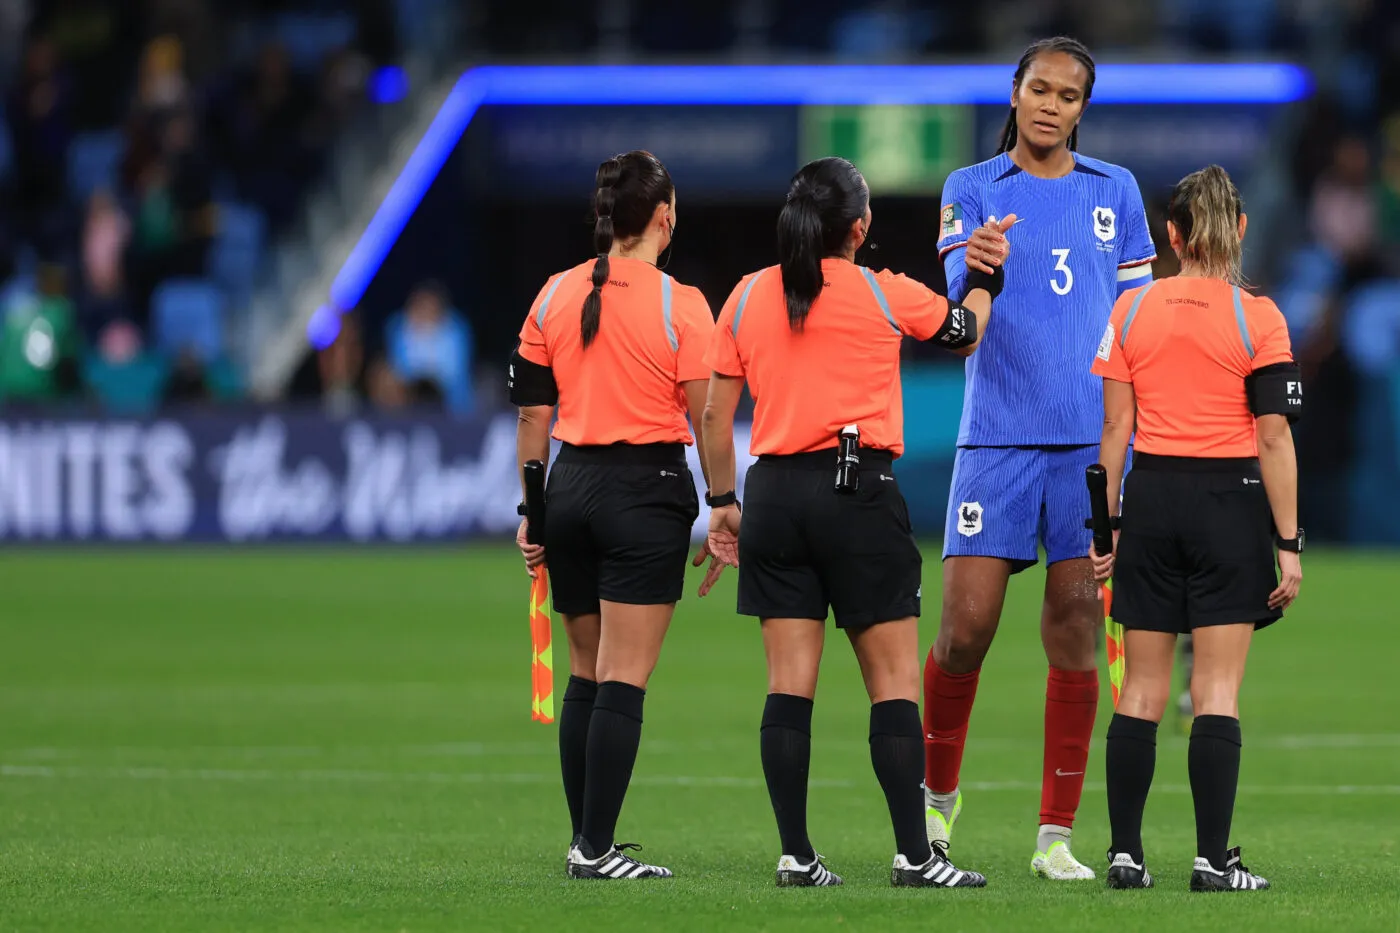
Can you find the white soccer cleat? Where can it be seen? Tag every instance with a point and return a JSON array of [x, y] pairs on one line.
[[1059, 864], [792, 873], [1235, 877], [613, 865], [938, 826]]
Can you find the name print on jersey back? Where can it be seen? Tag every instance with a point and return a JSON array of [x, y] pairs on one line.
[[1029, 383]]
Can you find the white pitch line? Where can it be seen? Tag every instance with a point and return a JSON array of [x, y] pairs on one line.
[[331, 775], [532, 749]]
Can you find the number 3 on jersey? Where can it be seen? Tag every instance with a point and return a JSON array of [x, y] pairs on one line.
[[1062, 287]]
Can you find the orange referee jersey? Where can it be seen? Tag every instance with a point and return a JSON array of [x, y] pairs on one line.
[[841, 368], [625, 388], [1186, 345]]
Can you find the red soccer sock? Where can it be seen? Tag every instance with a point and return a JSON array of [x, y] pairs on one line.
[[1071, 700], [947, 708]]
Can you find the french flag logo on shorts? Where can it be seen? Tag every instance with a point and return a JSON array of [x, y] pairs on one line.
[[969, 519]]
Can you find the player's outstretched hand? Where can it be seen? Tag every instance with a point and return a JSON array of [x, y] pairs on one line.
[[988, 245], [533, 553], [1291, 569]]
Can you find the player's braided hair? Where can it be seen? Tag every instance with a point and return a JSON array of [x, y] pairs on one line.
[[627, 189], [1205, 208], [1063, 44]]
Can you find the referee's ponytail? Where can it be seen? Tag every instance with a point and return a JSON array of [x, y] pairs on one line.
[[826, 197], [627, 189], [1205, 208]]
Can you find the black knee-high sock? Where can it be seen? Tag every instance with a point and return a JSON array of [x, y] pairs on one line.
[[1130, 756], [897, 752], [1214, 764], [785, 745], [614, 733], [574, 716]]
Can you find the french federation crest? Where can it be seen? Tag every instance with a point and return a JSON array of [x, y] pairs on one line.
[[969, 519], [1105, 223]]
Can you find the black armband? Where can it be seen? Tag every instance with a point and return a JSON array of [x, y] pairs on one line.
[[530, 383], [976, 278], [1275, 390], [959, 328]]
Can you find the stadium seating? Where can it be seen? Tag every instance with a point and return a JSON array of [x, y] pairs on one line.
[[93, 160], [236, 254], [188, 314]]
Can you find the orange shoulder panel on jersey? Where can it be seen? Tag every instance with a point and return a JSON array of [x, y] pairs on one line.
[[1109, 361], [533, 346], [722, 355], [694, 325], [1268, 330], [915, 309]]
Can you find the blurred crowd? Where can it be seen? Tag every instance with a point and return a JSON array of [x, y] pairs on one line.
[[424, 360], [149, 152]]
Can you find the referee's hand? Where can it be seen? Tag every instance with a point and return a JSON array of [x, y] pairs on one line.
[[534, 553], [1103, 564], [721, 545], [1291, 569]]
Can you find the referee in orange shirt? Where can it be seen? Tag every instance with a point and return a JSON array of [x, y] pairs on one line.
[[618, 346], [1205, 372], [817, 338]]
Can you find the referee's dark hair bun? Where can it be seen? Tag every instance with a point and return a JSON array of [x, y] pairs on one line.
[[626, 191], [824, 199]]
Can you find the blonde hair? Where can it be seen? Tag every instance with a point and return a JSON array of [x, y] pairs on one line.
[[1205, 208]]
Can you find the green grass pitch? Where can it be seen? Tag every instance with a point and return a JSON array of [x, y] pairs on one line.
[[341, 741]]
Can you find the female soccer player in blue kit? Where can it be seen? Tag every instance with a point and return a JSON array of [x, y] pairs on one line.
[[1031, 423]]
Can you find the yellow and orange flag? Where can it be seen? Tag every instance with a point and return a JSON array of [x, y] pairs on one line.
[[541, 650], [1113, 641]]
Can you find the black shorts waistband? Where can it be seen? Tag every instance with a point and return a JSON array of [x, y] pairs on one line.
[[870, 458], [623, 455], [1164, 464]]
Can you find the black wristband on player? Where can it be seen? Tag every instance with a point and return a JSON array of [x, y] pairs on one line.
[[993, 283], [720, 501], [520, 509], [1290, 544]]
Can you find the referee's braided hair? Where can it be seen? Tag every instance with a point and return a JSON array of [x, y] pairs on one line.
[[626, 192], [1071, 47], [825, 198], [1205, 208]]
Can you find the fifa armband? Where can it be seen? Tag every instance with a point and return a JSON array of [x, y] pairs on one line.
[[1275, 390], [959, 328], [530, 383]]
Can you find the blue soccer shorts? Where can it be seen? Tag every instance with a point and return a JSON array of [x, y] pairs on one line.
[[1006, 500]]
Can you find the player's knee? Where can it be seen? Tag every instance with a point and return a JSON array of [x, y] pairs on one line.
[[961, 649]]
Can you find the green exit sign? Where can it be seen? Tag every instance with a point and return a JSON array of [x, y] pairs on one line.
[[900, 149]]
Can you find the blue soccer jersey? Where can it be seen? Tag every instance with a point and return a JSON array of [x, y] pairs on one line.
[[1081, 240]]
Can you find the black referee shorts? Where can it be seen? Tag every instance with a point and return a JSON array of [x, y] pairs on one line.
[[804, 547], [617, 525], [1197, 545]]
